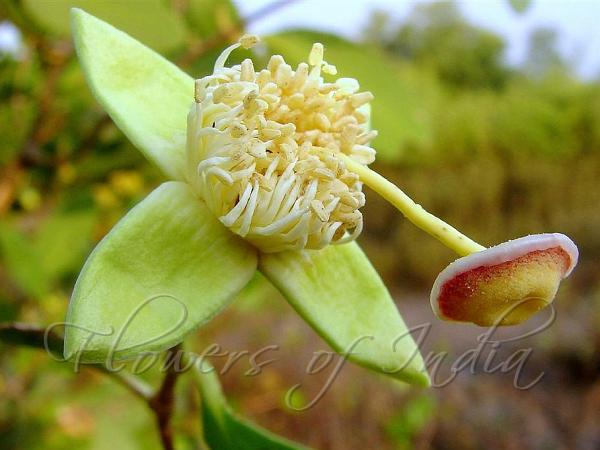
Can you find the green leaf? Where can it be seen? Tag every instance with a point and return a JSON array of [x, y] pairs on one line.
[[339, 293], [146, 95], [405, 98], [153, 22], [166, 268], [225, 430]]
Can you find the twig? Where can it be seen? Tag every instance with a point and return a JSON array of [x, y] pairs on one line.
[[163, 402], [9, 181], [18, 333]]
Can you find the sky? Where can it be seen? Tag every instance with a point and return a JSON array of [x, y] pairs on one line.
[[577, 22]]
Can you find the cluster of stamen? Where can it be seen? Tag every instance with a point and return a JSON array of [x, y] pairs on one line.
[[262, 147]]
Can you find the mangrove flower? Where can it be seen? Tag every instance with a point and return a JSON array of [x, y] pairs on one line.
[[279, 156], [268, 168]]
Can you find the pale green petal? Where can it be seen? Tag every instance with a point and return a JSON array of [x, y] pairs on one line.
[[146, 95], [166, 268], [339, 293]]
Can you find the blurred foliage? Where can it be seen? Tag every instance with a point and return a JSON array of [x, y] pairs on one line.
[[520, 6], [404, 425], [405, 98], [436, 35], [159, 26], [507, 148], [498, 151], [209, 18], [544, 57]]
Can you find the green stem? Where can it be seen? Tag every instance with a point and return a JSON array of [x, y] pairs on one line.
[[415, 213]]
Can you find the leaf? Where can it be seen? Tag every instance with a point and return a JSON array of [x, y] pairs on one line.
[[225, 430], [339, 293], [153, 22], [165, 269], [146, 95], [405, 99]]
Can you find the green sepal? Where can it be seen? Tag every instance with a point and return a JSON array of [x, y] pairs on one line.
[[165, 269], [147, 96], [337, 291]]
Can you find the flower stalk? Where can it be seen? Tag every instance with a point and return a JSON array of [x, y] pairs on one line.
[[501, 285], [415, 213]]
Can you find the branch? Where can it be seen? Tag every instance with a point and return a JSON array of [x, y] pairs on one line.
[[24, 334], [18, 333], [163, 402]]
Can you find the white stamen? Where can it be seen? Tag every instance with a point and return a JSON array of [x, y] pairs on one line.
[[264, 146]]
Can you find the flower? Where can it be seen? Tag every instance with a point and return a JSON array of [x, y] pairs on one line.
[[252, 185], [267, 171]]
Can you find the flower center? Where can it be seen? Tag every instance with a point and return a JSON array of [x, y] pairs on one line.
[[263, 151]]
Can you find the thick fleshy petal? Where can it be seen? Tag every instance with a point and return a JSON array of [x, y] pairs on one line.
[[505, 284], [339, 293], [166, 268], [146, 95]]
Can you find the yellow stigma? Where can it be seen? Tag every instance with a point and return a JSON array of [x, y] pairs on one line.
[[263, 150]]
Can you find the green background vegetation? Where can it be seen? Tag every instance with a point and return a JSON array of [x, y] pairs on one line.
[[495, 150]]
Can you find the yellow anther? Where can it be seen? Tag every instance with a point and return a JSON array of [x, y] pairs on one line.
[[361, 98], [329, 69], [315, 56], [248, 41]]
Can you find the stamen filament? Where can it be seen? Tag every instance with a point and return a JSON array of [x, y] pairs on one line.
[[415, 213], [262, 145]]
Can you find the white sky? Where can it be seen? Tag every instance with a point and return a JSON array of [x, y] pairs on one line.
[[576, 20]]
